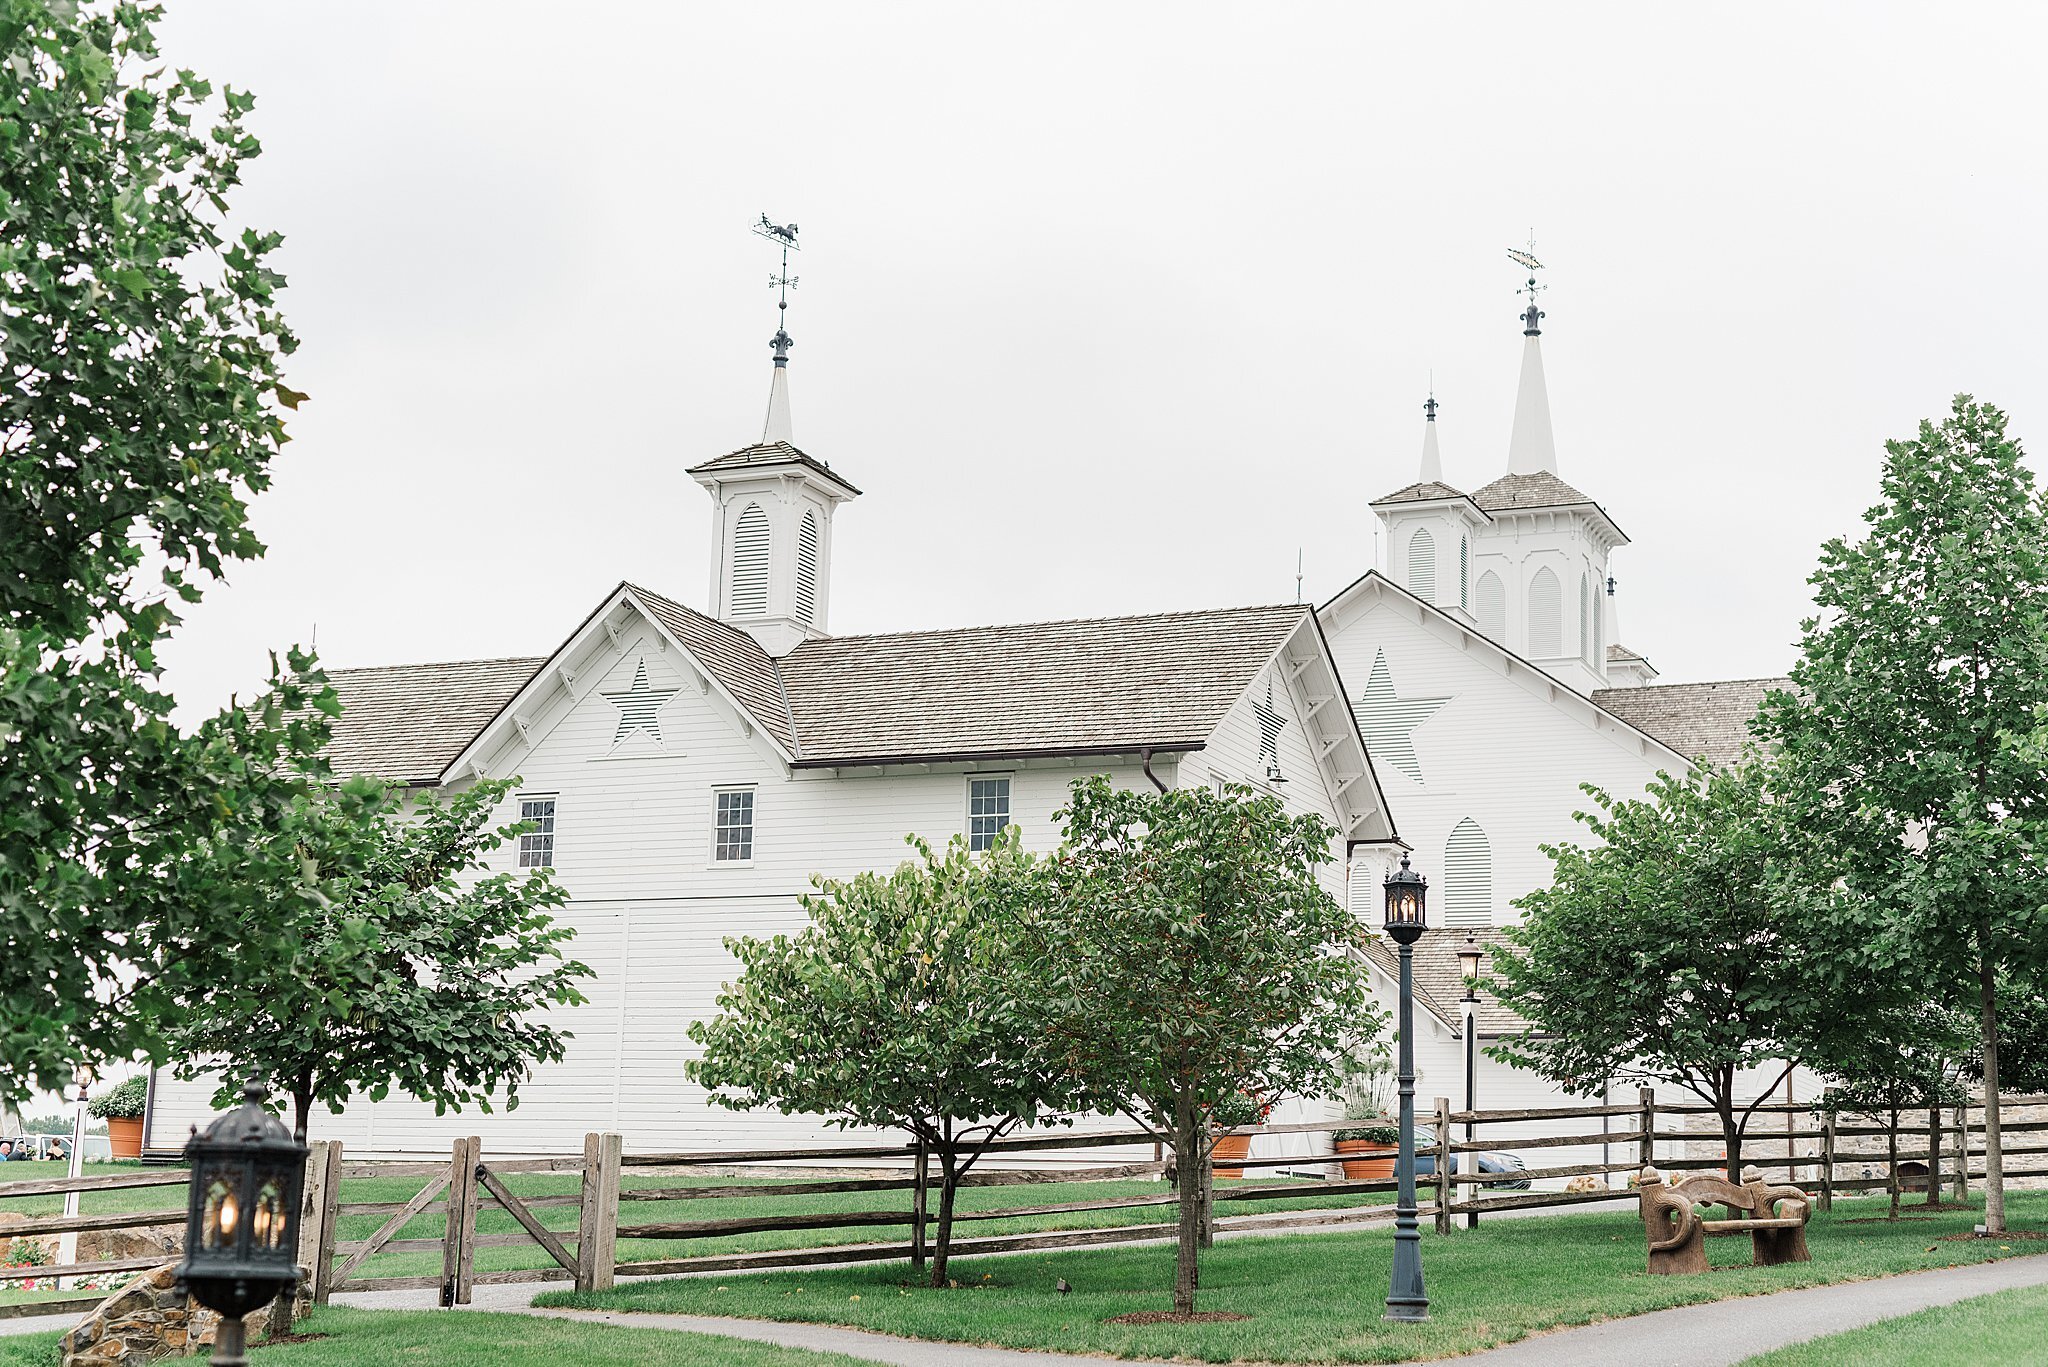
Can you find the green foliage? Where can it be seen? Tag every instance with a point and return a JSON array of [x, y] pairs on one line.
[[1709, 930], [1188, 956], [902, 1004], [2022, 1037], [142, 346], [417, 970], [124, 1102], [1912, 740], [1238, 1110]]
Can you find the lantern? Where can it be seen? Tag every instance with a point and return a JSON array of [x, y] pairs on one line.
[[242, 1224], [1407, 912], [1469, 957]]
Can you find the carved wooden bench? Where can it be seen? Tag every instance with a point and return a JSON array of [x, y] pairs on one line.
[[1678, 1234]]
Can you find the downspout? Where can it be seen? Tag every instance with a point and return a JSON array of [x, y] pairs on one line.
[[1145, 763]]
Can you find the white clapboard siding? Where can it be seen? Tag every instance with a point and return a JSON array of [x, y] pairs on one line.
[[1546, 615]]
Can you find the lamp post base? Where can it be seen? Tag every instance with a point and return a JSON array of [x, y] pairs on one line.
[[1408, 1312], [229, 1340]]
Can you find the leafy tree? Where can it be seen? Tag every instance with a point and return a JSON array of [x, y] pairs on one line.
[[1912, 730], [1188, 957], [900, 1005], [141, 347], [1708, 932], [414, 973], [2022, 1037], [1906, 1059]]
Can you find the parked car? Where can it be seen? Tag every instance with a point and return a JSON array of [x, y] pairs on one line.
[[1489, 1163]]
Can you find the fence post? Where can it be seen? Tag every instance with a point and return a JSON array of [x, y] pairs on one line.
[[1646, 1150], [1443, 1165], [329, 1225], [1827, 1161], [458, 1252], [321, 1169], [920, 1171], [597, 1222], [1962, 1153], [1933, 1155]]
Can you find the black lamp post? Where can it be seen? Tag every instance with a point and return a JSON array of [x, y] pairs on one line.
[[242, 1226], [1470, 955], [1407, 918]]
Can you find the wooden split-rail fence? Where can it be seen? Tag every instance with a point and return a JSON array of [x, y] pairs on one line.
[[632, 1211]]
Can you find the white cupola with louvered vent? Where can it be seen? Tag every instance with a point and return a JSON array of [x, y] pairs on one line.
[[772, 541]]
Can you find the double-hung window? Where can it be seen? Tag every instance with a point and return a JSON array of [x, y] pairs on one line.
[[733, 826], [988, 809], [537, 844]]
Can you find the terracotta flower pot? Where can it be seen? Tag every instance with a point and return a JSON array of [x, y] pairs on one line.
[[1231, 1146], [1378, 1167], [124, 1134]]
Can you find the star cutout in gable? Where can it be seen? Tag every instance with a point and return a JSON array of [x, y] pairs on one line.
[[1389, 722], [639, 706], [1270, 725]]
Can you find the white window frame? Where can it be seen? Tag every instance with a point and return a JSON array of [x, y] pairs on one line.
[[553, 818], [718, 795], [1009, 812]]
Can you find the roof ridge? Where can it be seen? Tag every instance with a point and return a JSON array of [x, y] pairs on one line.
[[1059, 622], [434, 664], [1698, 683]]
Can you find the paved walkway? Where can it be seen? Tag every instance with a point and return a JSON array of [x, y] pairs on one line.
[[1714, 1335]]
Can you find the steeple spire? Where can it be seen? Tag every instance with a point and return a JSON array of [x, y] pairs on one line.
[[1531, 448], [1432, 463], [776, 427]]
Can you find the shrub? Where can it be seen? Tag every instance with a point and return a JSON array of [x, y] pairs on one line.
[[125, 1102]]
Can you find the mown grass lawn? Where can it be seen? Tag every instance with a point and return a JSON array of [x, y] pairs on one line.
[[1316, 1298], [2006, 1327], [370, 1338], [432, 1223]]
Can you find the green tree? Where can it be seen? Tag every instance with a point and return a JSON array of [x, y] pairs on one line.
[[419, 971], [901, 1006], [1708, 932], [1906, 1059], [1188, 958], [142, 402], [1911, 731]]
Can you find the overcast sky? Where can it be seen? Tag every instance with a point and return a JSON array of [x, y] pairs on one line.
[[1108, 308]]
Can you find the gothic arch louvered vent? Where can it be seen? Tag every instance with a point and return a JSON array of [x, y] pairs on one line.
[[1546, 615], [1465, 572], [1422, 565], [1491, 599], [1468, 876], [750, 564], [807, 570]]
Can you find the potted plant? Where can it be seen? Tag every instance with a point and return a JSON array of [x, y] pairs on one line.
[[1234, 1112], [122, 1110], [1375, 1138]]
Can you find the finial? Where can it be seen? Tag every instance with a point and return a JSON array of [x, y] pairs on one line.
[[782, 282], [1429, 407], [1532, 317]]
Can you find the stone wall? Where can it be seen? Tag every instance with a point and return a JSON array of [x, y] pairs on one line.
[[147, 1320]]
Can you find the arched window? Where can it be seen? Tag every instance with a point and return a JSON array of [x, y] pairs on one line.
[[1422, 565], [749, 596], [1492, 610], [1465, 572], [1468, 876], [1585, 619], [807, 570], [1546, 615]]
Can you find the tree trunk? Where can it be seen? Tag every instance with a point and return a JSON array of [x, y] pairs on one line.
[[1189, 1165], [302, 1108], [1891, 1143], [1206, 1170], [1994, 1157], [1731, 1142], [949, 1184]]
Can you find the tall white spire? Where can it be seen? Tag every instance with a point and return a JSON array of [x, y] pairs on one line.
[[1531, 448], [1432, 462], [776, 428]]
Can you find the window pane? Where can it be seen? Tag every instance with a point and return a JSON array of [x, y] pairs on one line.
[[988, 810], [537, 845], [734, 826]]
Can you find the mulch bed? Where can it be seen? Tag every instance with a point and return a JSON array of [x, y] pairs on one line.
[[2011, 1235], [1168, 1317]]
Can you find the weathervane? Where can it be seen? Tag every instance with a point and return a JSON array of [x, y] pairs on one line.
[[781, 281], [1531, 316]]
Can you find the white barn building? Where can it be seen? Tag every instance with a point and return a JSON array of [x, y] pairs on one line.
[[689, 772]]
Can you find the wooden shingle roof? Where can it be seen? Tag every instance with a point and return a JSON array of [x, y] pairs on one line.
[[1707, 721], [405, 723], [1440, 978], [766, 455]]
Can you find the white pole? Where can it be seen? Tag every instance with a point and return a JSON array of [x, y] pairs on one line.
[[67, 1243]]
